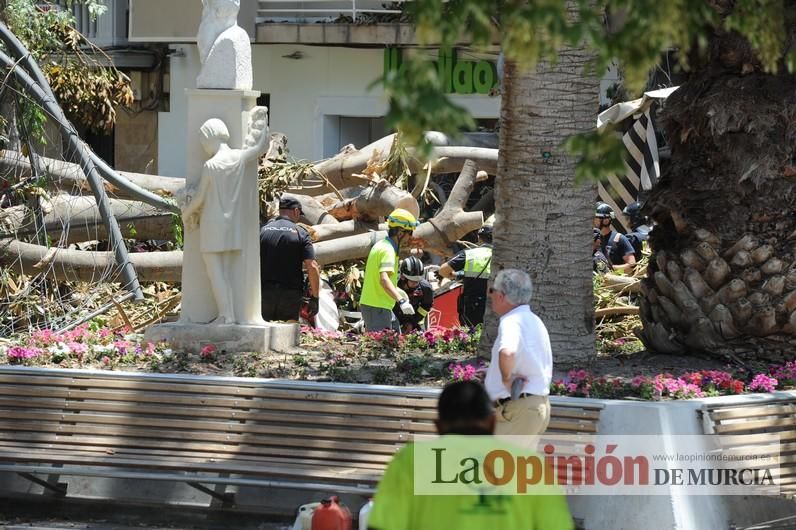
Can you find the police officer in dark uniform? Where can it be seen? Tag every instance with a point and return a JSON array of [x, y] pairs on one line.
[[639, 229], [284, 249], [599, 262], [613, 245], [418, 291], [473, 267]]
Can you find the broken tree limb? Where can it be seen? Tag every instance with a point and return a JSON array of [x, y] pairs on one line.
[[375, 201], [328, 232], [68, 176], [452, 222], [72, 219], [314, 212], [341, 170], [616, 310], [624, 284], [81, 265]]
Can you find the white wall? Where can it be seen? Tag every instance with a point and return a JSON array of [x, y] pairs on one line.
[[324, 82]]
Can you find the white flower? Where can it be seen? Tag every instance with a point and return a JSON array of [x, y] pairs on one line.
[[59, 349], [167, 353]]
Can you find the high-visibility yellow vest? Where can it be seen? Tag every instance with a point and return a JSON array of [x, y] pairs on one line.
[[477, 262]]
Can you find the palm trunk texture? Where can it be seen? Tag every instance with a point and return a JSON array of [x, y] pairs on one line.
[[722, 279], [542, 218]]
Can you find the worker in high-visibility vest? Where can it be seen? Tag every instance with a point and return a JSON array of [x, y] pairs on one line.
[[379, 288], [472, 267]]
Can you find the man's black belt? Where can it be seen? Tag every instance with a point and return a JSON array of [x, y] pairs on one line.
[[501, 401]]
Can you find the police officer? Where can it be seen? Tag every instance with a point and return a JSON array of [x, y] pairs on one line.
[[418, 291], [599, 261], [473, 267], [614, 246], [639, 229], [284, 249]]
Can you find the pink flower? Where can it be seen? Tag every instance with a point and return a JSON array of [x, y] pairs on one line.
[[122, 346], [763, 383], [20, 352], [106, 360], [208, 351], [77, 348]]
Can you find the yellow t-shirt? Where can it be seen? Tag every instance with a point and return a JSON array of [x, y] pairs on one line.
[[382, 258], [395, 507]]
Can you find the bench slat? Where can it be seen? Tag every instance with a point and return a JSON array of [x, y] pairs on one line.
[[284, 470], [315, 443], [774, 409], [188, 427], [116, 442], [17, 391], [376, 465], [751, 425], [235, 415], [238, 391]]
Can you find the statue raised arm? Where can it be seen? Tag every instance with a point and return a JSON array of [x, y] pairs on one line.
[[214, 207]]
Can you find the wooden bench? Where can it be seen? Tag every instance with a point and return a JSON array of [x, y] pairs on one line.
[[215, 431], [751, 428]]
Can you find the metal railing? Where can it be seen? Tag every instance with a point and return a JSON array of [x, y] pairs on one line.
[[322, 10]]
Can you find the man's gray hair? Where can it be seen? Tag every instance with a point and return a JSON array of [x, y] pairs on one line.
[[515, 284]]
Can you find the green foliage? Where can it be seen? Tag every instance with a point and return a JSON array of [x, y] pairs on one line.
[[274, 179], [637, 33], [176, 226], [600, 154], [87, 91]]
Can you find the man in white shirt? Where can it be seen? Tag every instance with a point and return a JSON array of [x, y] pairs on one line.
[[521, 351]]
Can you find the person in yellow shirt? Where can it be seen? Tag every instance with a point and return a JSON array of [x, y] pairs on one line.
[[379, 288], [464, 411]]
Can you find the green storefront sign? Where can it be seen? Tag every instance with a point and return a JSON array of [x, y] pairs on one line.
[[458, 77]]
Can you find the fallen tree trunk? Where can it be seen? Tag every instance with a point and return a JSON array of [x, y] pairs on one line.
[[72, 219], [67, 176], [625, 284], [314, 213], [90, 266], [452, 222], [616, 310], [79, 265], [374, 202], [328, 232], [435, 235], [340, 171]]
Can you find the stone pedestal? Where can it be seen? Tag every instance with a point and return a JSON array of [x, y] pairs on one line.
[[228, 337], [250, 332]]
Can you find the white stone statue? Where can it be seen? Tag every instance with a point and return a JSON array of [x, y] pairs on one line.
[[214, 206], [224, 47]]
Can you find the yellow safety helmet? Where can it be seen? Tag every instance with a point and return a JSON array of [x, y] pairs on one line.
[[400, 218]]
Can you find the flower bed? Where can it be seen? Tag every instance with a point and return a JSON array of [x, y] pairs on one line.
[[432, 357]]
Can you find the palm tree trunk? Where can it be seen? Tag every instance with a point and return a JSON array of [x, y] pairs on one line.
[[723, 275], [542, 218]]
